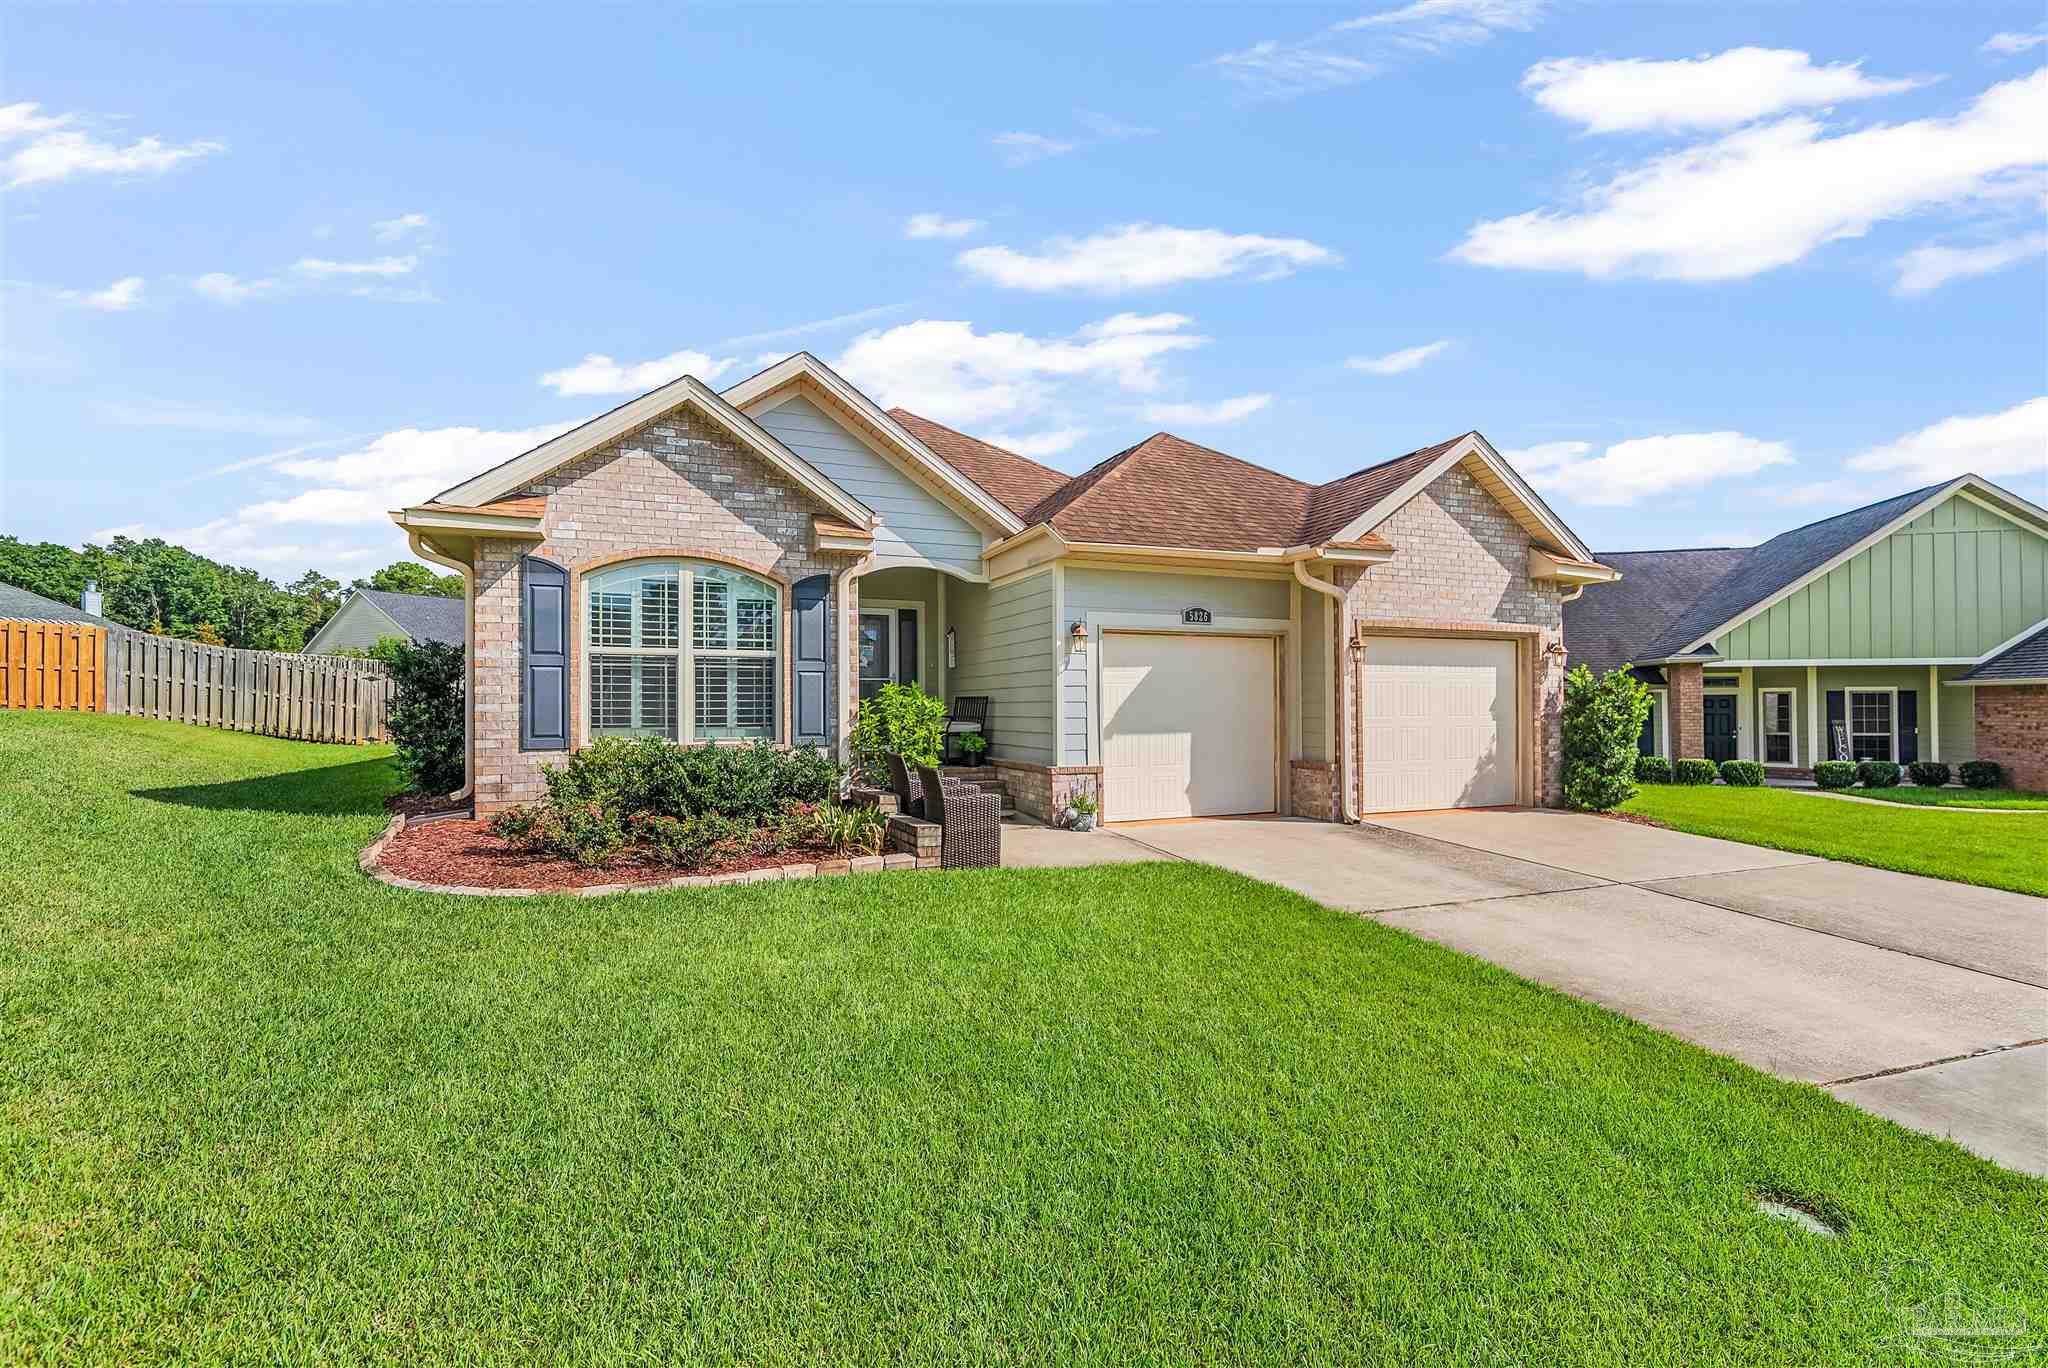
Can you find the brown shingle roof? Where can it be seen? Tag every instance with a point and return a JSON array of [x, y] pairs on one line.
[[1016, 482], [1335, 504]]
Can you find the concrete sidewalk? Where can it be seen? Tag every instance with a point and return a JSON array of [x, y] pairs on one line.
[[1918, 999]]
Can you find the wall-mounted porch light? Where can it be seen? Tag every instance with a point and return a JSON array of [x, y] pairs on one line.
[[1079, 631]]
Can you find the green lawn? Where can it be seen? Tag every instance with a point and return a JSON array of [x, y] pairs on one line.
[[1998, 852], [258, 1107], [1956, 797]]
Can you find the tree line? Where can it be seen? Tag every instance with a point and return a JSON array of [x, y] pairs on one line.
[[154, 586]]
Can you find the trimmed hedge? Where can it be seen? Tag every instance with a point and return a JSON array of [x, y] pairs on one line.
[[1652, 769], [1982, 774], [1928, 773], [1834, 774], [1742, 774], [1694, 771], [1877, 773]]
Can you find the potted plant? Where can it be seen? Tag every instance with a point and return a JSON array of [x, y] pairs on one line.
[[1080, 813], [973, 744]]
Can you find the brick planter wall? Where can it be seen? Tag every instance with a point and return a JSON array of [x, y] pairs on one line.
[[1042, 791], [2012, 728], [1312, 789]]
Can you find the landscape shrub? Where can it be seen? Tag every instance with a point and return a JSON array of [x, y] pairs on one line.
[[1653, 769], [426, 721], [902, 718], [1742, 774], [1928, 773], [1981, 774], [1834, 774], [1693, 771], [1877, 773], [1602, 719]]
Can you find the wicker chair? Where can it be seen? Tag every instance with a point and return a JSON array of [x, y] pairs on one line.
[[909, 797], [970, 821]]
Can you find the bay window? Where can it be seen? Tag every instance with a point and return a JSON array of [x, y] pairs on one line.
[[711, 678]]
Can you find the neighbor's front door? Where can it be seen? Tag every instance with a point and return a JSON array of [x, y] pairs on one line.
[[1720, 721]]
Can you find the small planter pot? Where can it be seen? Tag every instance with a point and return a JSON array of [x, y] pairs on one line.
[[1075, 820]]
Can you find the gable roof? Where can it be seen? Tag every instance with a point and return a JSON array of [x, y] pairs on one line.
[[1334, 506], [423, 617], [1019, 482], [1167, 491], [510, 477], [1777, 565], [2023, 662], [19, 605], [1610, 624]]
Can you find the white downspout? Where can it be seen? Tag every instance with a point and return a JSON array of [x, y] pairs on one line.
[[423, 550], [1301, 574]]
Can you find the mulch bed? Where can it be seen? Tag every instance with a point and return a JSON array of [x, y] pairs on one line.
[[464, 852], [416, 805], [1635, 817]]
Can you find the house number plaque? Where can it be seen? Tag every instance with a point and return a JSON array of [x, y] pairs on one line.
[[1195, 617]]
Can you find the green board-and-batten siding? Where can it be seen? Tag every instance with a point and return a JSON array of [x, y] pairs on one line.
[[1955, 582]]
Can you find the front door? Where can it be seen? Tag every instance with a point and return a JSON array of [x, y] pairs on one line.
[[877, 653], [1720, 727]]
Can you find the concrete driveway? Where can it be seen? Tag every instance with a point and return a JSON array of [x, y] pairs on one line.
[[1917, 999]]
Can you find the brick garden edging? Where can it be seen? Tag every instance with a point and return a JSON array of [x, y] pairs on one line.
[[862, 864]]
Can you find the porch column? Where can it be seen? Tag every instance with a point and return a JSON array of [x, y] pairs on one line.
[[1933, 712], [1688, 716], [846, 597], [1814, 750]]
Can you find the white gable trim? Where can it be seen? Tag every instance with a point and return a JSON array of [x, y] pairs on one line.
[[1962, 484], [521, 471], [1472, 448], [920, 460]]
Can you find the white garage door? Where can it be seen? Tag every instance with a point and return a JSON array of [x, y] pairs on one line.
[[1187, 726], [1439, 723]]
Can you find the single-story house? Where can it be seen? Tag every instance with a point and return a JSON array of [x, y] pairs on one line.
[[1177, 631], [1914, 628], [19, 605], [367, 616]]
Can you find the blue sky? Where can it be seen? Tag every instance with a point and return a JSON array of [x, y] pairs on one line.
[[1704, 271]]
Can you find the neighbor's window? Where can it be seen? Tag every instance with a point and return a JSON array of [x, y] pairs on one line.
[[1870, 726], [1780, 745], [649, 676]]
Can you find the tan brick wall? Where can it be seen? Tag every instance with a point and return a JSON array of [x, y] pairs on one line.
[[2012, 728], [1461, 565], [1043, 791], [1312, 789], [1688, 711], [677, 486]]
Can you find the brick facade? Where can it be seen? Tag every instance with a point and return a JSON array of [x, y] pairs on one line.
[[676, 487], [1042, 791], [1461, 568], [1688, 711], [2012, 728], [1312, 790]]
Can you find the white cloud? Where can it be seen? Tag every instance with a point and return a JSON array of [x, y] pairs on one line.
[[1038, 445], [814, 325], [1140, 256], [2012, 444], [1275, 70], [1395, 362], [2011, 44], [1358, 49], [1931, 267], [1022, 149], [1719, 92], [939, 226], [56, 148], [953, 374], [1109, 129], [1766, 196], [119, 297], [185, 415], [1445, 23], [402, 227], [1208, 415], [397, 294], [1629, 472], [223, 288], [322, 268], [598, 374]]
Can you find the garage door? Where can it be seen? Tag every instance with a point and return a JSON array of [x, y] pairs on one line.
[[1187, 726], [1439, 723]]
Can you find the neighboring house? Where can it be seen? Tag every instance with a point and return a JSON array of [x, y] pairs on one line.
[[19, 605], [1913, 628], [367, 616], [1178, 630]]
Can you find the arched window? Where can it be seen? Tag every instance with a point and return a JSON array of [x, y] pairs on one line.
[[712, 677]]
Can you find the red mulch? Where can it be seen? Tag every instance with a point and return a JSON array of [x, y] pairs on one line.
[[464, 852], [1635, 817], [423, 804]]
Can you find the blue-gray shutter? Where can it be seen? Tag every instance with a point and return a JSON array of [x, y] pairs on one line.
[[1909, 726], [543, 655], [811, 660]]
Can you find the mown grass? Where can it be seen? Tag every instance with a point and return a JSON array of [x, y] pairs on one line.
[[257, 1107], [1919, 796], [1997, 852]]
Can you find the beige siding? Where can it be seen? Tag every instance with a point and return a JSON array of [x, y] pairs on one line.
[[1006, 645]]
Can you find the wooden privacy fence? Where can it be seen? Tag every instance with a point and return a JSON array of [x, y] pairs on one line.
[[56, 665], [308, 698]]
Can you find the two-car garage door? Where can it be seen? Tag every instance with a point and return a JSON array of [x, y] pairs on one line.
[[1439, 723]]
